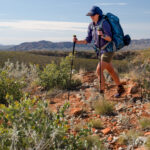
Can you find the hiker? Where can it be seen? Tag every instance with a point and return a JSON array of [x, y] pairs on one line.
[[106, 36]]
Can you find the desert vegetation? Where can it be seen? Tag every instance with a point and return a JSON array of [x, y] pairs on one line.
[[32, 83]]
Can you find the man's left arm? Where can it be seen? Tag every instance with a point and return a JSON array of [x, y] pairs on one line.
[[107, 34]]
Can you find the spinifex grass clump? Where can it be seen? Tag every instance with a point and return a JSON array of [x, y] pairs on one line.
[[58, 76], [9, 86], [104, 107], [92, 143], [96, 123], [145, 123], [128, 138], [123, 139], [148, 143]]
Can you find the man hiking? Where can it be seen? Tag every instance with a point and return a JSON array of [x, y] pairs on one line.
[[105, 35]]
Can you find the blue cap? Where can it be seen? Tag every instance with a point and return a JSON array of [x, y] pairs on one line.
[[95, 10]]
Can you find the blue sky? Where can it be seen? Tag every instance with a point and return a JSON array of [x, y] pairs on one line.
[[57, 20]]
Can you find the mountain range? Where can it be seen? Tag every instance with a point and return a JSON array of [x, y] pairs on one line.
[[48, 45], [5, 47]]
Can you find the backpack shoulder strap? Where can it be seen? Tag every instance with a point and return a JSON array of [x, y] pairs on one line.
[[103, 19]]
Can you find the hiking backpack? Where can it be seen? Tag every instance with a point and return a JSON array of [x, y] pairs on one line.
[[118, 38]]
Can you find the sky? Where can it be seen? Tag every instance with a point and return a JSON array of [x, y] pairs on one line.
[[58, 20]]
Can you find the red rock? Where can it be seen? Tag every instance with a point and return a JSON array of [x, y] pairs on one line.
[[145, 114], [106, 131], [93, 130], [72, 96], [114, 123], [147, 133], [98, 116], [134, 110], [129, 106], [87, 94], [110, 138], [115, 128], [94, 115], [78, 99], [120, 107], [74, 133], [76, 111], [133, 89], [141, 148]]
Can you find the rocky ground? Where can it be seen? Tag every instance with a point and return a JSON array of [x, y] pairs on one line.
[[121, 129]]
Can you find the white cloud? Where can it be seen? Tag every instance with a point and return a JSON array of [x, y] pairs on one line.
[[112, 4], [44, 25], [15, 32]]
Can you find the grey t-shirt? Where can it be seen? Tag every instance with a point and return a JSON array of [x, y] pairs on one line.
[[92, 32]]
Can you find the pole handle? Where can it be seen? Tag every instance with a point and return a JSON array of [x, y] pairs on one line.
[[100, 29], [74, 43]]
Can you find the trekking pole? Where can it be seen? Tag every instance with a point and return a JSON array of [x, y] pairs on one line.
[[99, 38], [74, 43]]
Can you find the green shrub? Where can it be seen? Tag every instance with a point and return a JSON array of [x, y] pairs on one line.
[[9, 86], [58, 76], [31, 125], [28, 74]]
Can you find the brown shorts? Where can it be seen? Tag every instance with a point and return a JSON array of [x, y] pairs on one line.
[[107, 57]]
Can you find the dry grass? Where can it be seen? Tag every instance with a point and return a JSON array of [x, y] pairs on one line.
[[97, 123], [79, 126], [104, 107], [148, 144], [145, 123], [129, 137], [93, 143]]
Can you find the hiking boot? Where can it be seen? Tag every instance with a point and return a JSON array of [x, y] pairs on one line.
[[120, 91], [101, 91]]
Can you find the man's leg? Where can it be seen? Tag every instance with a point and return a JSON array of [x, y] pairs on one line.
[[113, 74], [116, 79]]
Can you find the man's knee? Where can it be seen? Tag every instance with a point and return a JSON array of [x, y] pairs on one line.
[[98, 71], [110, 69]]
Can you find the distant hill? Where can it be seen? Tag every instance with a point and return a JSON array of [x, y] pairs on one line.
[[139, 44], [5, 47], [48, 45]]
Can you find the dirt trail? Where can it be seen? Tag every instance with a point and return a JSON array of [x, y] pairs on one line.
[[128, 110]]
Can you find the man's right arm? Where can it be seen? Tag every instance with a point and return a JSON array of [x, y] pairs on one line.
[[80, 42], [88, 39]]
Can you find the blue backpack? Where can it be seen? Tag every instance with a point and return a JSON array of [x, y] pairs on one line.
[[118, 38]]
